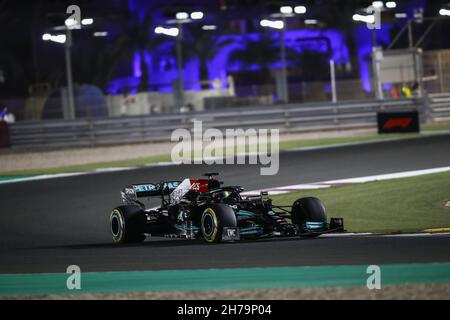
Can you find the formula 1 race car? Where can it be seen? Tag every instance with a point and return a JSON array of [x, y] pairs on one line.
[[202, 208]]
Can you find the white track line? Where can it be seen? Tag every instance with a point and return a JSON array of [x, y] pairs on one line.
[[390, 176], [44, 177], [272, 191], [329, 184], [114, 169], [64, 175], [410, 235], [416, 235]]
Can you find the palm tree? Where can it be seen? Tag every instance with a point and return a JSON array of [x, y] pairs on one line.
[[15, 62], [137, 37], [340, 21], [262, 53], [99, 68], [313, 65], [203, 45]]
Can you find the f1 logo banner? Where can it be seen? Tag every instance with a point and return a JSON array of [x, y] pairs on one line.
[[398, 122]]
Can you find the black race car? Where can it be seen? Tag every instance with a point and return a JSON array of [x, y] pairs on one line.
[[203, 208]]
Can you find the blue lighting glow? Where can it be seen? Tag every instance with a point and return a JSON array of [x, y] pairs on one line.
[[363, 37], [163, 69]]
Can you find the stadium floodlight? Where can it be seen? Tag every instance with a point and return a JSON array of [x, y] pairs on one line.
[[286, 10], [444, 12], [70, 22], [391, 4], [209, 27], [87, 21], [311, 22], [60, 38], [300, 9], [172, 32], [378, 4], [401, 15], [182, 16], [100, 34], [264, 23], [275, 24], [364, 18], [197, 15]]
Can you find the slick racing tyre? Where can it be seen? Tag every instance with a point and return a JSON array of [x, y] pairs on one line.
[[214, 219], [127, 224], [308, 210]]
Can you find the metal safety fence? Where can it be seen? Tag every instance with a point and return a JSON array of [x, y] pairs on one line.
[[291, 117]]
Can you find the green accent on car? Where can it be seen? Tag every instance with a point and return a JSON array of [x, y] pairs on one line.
[[180, 227], [250, 230], [245, 213], [315, 225]]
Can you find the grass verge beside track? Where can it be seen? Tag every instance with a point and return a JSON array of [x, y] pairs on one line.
[[399, 205], [426, 130], [86, 167]]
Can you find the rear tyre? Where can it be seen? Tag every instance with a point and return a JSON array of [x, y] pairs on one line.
[[127, 223], [214, 219], [308, 210]]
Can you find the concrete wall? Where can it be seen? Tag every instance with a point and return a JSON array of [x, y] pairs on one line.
[[154, 102], [436, 66]]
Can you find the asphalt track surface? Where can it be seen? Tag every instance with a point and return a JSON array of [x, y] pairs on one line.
[[47, 225]]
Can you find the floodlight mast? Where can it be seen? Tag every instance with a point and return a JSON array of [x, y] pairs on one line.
[[285, 11], [180, 67], [68, 58], [180, 19]]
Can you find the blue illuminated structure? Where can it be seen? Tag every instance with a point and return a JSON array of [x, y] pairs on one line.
[[162, 64], [363, 37]]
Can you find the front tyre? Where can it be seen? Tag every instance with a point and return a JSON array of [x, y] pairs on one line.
[[214, 219], [126, 224]]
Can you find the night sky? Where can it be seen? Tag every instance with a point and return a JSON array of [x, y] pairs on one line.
[[26, 59]]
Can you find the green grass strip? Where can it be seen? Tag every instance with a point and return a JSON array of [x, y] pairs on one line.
[[221, 279], [399, 205]]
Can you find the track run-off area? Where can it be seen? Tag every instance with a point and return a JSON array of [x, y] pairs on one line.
[[49, 224]]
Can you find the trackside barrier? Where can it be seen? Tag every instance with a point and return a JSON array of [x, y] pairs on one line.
[[4, 135], [438, 108], [292, 117]]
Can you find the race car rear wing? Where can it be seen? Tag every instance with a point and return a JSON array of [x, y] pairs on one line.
[[131, 193], [153, 190]]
